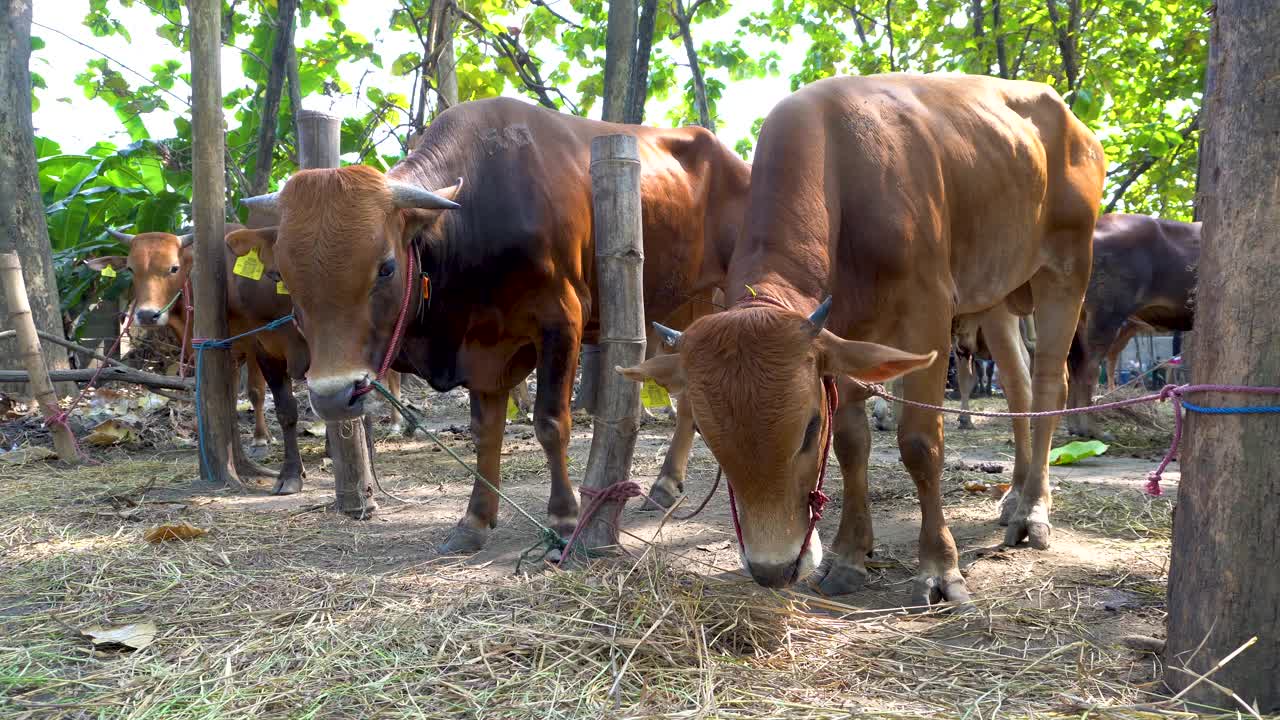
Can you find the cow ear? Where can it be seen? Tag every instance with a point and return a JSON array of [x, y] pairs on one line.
[[243, 241], [867, 361], [666, 370], [115, 262]]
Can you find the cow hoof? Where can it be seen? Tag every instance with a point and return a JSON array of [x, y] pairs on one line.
[[1009, 506], [928, 592], [1035, 532], [289, 482], [842, 578], [464, 540], [660, 498], [965, 423]]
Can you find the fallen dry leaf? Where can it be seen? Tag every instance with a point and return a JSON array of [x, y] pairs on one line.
[[176, 531], [135, 635], [314, 429], [975, 486], [111, 432], [25, 455]]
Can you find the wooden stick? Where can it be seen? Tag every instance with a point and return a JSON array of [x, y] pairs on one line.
[[15, 289], [615, 198], [50, 337], [111, 374]]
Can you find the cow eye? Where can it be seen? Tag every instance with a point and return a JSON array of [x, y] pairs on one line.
[[173, 270], [810, 433], [387, 269]]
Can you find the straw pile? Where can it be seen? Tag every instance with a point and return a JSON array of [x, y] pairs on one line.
[[277, 615]]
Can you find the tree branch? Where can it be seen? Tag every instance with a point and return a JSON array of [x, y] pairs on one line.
[[524, 65], [1146, 164]]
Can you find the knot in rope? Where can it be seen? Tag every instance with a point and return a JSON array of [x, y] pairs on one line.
[[817, 501], [1170, 391]]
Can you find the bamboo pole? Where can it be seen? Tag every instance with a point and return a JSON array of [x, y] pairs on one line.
[[20, 317], [615, 195]]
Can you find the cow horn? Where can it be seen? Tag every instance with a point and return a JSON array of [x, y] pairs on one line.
[[405, 195], [269, 203], [125, 238], [186, 240], [819, 316], [670, 337]]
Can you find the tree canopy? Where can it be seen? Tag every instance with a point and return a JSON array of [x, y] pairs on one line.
[[1131, 69]]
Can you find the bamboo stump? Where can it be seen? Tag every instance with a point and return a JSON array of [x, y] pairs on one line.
[[615, 195], [22, 321]]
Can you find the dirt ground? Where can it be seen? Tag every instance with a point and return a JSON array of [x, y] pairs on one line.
[[284, 610]]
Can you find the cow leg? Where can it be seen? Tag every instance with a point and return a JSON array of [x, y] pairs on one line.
[[275, 371], [1094, 342], [552, 422], [520, 396], [846, 570], [1005, 343], [670, 483], [397, 423], [964, 383], [257, 391], [488, 421], [1058, 301], [921, 446]]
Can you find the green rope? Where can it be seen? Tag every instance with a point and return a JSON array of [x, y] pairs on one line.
[[550, 539], [172, 302]]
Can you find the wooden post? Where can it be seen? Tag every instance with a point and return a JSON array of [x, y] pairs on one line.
[[615, 199], [208, 205], [350, 443], [1223, 587], [21, 320]]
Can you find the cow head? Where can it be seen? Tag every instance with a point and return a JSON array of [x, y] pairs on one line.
[[753, 376], [160, 264], [341, 247]]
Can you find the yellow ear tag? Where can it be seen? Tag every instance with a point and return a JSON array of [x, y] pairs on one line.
[[108, 271], [513, 412], [654, 396], [249, 266], [280, 288]]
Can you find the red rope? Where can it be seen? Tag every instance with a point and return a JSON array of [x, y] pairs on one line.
[[620, 492], [189, 311], [397, 335]]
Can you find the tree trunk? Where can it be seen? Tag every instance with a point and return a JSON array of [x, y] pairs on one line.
[[638, 90], [217, 389], [615, 198], [1002, 54], [1223, 589], [619, 56], [446, 67], [22, 223], [699, 85], [271, 102], [295, 92], [979, 36], [1067, 36]]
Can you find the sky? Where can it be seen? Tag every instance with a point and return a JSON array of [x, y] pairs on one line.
[[79, 123]]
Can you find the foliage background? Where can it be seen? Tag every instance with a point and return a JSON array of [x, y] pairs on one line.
[[1131, 69]]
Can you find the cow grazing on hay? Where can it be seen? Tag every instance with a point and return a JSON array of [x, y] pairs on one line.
[[161, 264], [1144, 275], [911, 200], [498, 272]]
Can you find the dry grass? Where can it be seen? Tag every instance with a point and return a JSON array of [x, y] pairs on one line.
[[277, 615], [1119, 514]]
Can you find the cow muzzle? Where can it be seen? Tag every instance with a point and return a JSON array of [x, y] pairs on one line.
[[338, 398], [784, 566], [150, 317]]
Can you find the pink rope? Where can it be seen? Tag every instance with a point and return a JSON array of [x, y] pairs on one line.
[[397, 334], [620, 492], [1171, 393]]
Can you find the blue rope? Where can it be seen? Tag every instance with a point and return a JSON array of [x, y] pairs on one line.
[[224, 344], [1239, 410]]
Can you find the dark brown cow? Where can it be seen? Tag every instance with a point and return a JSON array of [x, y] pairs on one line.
[[911, 200], [1143, 273], [161, 265], [508, 269]]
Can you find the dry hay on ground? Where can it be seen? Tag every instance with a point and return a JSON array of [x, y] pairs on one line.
[[276, 614]]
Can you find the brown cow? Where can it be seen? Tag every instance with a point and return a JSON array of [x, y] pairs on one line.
[[504, 284], [161, 265], [1143, 274], [911, 200]]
